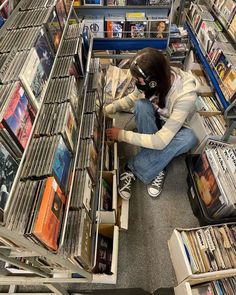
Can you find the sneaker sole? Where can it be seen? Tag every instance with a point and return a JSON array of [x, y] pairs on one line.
[[123, 197], [154, 196]]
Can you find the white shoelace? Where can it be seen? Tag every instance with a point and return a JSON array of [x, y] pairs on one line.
[[159, 179], [127, 177]]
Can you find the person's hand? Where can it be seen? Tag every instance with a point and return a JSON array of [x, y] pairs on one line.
[[112, 133]]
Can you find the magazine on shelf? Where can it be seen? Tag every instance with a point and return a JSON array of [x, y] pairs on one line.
[[36, 70], [115, 26], [18, 115], [158, 27], [47, 225]]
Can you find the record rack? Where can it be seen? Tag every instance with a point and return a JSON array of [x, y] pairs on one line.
[[59, 216]]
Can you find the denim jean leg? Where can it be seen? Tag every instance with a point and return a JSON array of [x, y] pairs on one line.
[[148, 163], [145, 118]]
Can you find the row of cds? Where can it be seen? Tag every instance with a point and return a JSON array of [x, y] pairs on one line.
[[24, 19], [21, 39], [64, 67], [69, 47], [35, 4], [12, 66], [73, 31]]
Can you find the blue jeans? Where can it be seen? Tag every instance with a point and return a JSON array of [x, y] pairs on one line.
[[148, 163]]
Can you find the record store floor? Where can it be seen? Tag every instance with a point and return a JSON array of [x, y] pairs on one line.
[[144, 260]]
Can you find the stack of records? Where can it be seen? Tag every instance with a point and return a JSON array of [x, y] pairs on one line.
[[21, 39], [48, 156], [17, 114], [62, 90], [65, 66], [8, 165], [12, 66], [73, 31], [223, 286], [58, 119], [88, 158], [91, 128], [34, 4], [31, 18], [38, 211], [69, 47], [82, 191]]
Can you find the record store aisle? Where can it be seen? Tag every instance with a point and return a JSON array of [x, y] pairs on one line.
[[144, 260]]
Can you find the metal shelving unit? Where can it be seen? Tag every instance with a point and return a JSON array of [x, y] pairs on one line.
[[127, 43]]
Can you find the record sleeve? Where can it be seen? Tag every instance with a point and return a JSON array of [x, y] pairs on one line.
[[136, 28], [158, 27], [61, 164], [8, 167], [115, 27], [104, 255], [36, 70], [19, 115], [47, 225]]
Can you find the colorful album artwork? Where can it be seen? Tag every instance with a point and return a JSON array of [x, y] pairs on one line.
[[55, 31], [8, 167], [61, 13], [61, 164], [49, 219], [19, 115], [36, 70]]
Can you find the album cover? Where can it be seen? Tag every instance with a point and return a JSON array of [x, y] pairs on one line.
[[104, 255], [47, 225], [95, 26], [70, 127], [136, 28], [115, 27], [61, 13], [54, 30], [208, 189], [229, 83], [93, 2], [136, 2], [222, 66], [19, 115], [61, 164], [36, 70], [106, 196], [116, 2], [8, 167], [158, 28]]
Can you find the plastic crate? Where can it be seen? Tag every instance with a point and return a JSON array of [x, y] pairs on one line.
[[197, 205]]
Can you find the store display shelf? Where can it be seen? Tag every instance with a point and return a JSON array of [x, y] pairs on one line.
[[206, 66]]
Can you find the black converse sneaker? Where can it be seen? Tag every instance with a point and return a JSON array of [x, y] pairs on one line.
[[124, 187], [155, 188]]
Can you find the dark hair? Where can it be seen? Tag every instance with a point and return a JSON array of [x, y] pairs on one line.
[[156, 67]]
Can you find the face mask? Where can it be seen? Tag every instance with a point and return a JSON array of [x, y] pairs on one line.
[[141, 87], [146, 89]]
